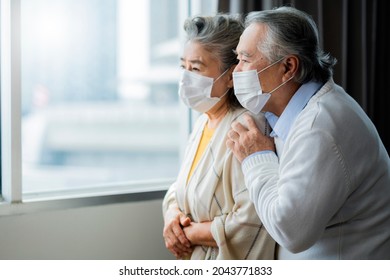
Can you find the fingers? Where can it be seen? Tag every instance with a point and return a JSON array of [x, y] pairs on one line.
[[238, 127], [233, 135], [230, 144], [173, 243], [185, 221], [233, 139], [246, 140], [175, 239], [235, 147], [182, 242], [250, 122]]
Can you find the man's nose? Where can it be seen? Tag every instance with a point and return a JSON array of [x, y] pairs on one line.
[[237, 68]]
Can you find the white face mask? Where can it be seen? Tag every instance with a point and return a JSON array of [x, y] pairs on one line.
[[195, 91], [248, 91]]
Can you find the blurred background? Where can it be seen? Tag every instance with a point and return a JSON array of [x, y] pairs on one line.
[[99, 92]]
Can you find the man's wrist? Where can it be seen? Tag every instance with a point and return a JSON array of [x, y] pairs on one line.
[[257, 158], [255, 154]]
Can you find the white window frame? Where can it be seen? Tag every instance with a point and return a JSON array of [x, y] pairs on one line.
[[11, 101]]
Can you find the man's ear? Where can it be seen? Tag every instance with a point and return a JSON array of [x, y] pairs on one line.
[[291, 65]]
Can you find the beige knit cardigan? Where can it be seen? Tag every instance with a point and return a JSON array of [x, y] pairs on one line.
[[216, 192]]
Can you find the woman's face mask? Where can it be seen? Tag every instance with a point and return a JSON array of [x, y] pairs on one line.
[[195, 91], [248, 91]]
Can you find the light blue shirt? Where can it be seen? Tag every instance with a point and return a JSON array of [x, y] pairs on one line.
[[281, 125]]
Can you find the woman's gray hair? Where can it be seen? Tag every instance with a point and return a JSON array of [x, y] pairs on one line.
[[293, 32], [219, 35]]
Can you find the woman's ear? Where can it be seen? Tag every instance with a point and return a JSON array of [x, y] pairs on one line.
[[230, 76], [291, 65]]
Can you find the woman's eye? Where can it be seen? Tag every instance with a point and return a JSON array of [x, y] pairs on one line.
[[195, 69]]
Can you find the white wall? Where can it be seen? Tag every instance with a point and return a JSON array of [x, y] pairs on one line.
[[130, 230]]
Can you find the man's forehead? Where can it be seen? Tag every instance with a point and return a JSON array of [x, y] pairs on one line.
[[249, 40]]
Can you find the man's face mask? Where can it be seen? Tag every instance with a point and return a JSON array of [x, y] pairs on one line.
[[248, 91]]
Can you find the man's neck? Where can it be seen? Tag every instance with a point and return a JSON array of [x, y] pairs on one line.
[[281, 98]]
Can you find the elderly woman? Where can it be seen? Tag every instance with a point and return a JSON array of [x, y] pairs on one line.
[[207, 211]]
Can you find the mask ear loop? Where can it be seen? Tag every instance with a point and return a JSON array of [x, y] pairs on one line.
[[221, 75], [224, 93], [281, 85], [272, 64], [218, 79]]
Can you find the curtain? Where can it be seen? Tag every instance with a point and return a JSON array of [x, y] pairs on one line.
[[354, 32], [237, 6]]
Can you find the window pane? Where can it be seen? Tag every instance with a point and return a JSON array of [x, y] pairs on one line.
[[99, 91]]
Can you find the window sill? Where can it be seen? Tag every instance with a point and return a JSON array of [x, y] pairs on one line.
[[86, 197]]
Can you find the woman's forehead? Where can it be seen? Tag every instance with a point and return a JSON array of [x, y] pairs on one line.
[[195, 52]]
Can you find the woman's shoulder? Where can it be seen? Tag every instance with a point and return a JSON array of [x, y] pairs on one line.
[[259, 119], [198, 125]]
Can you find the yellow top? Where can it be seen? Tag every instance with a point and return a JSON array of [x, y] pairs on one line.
[[204, 141]]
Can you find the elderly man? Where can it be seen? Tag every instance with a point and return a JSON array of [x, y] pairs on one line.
[[321, 182]]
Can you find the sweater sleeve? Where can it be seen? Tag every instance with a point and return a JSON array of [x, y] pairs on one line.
[[169, 199], [297, 197]]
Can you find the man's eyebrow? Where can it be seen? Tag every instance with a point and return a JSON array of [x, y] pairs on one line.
[[244, 53]]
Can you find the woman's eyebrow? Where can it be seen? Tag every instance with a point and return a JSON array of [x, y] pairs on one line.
[[193, 61]]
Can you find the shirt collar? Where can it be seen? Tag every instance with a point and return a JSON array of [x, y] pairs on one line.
[[281, 125]]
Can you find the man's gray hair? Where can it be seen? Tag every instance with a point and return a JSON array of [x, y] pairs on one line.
[[293, 32]]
